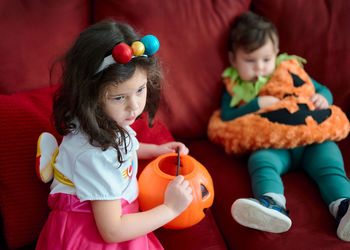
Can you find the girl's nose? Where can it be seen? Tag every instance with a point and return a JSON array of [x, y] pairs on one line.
[[133, 104]]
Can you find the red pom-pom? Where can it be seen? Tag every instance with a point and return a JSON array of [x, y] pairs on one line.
[[122, 53]]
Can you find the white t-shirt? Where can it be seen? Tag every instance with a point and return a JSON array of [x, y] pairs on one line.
[[97, 174]]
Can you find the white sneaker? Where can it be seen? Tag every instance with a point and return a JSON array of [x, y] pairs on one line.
[[343, 217], [263, 214]]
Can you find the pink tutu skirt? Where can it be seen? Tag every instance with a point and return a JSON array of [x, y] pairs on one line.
[[71, 226]]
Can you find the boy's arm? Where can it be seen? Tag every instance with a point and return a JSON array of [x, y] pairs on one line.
[[323, 90], [228, 113]]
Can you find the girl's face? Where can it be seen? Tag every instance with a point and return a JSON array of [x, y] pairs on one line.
[[260, 62], [126, 101]]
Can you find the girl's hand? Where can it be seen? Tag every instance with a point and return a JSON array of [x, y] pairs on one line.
[[178, 195], [151, 151], [267, 101], [114, 226], [171, 147], [319, 101]]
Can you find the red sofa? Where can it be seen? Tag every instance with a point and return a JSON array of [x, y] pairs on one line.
[[193, 37]]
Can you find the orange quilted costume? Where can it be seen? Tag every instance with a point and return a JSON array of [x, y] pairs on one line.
[[290, 123]]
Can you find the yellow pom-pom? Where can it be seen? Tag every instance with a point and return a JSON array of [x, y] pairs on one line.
[[138, 48]]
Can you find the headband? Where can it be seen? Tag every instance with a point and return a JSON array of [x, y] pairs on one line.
[[123, 53]]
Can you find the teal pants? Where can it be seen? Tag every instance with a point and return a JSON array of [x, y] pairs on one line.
[[322, 162]]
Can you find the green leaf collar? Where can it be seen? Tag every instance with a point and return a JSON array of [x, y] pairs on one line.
[[247, 91]]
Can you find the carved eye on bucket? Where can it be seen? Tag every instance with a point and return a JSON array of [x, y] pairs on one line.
[[204, 191]]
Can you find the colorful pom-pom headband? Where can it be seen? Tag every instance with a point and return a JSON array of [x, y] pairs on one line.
[[123, 53]]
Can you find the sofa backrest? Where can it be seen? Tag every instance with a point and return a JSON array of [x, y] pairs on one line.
[[34, 34], [193, 37]]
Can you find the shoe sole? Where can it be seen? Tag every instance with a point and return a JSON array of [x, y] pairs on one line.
[[343, 230], [251, 214]]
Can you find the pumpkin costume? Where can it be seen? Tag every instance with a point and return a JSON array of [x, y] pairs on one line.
[[290, 123], [285, 136]]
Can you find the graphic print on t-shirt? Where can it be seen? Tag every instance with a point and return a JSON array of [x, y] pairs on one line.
[[127, 173]]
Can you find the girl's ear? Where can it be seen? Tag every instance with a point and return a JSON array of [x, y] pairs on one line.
[[231, 58]]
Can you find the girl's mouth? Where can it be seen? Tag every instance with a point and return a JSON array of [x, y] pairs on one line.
[[131, 118]]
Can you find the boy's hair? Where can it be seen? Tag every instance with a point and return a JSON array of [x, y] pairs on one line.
[[83, 91], [250, 31]]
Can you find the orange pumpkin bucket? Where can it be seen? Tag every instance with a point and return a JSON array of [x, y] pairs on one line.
[[157, 174]]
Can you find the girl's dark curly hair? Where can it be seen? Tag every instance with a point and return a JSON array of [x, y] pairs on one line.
[[81, 95], [251, 31]]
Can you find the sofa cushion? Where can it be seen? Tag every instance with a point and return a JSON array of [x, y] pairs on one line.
[[192, 36], [204, 235], [23, 198], [313, 227], [34, 34]]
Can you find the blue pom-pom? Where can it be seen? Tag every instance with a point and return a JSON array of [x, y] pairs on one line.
[[151, 44]]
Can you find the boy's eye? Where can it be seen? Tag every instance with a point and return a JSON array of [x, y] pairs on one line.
[[267, 59], [250, 60]]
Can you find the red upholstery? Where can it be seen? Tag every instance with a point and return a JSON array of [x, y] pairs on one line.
[[23, 198], [33, 35], [193, 37]]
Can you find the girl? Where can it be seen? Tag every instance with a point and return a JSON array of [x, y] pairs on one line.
[[93, 196]]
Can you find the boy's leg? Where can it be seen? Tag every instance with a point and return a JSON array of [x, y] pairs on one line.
[[324, 163], [267, 211], [266, 167]]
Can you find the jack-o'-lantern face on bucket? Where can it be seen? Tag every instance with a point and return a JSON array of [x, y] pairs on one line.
[[156, 176]]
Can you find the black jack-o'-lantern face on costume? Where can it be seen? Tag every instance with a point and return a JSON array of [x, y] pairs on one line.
[[283, 116], [292, 122]]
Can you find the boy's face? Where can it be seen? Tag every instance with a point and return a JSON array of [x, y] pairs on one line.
[[126, 101], [260, 62]]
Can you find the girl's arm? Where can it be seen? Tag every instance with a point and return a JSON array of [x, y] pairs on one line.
[[116, 227], [151, 151]]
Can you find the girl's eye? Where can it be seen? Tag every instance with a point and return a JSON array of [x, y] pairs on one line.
[[119, 98], [266, 59], [250, 60], [141, 90]]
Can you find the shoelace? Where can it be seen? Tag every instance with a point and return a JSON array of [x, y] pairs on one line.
[[268, 202], [342, 209]]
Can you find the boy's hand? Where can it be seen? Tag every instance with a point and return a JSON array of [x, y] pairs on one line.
[[319, 101], [267, 101]]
